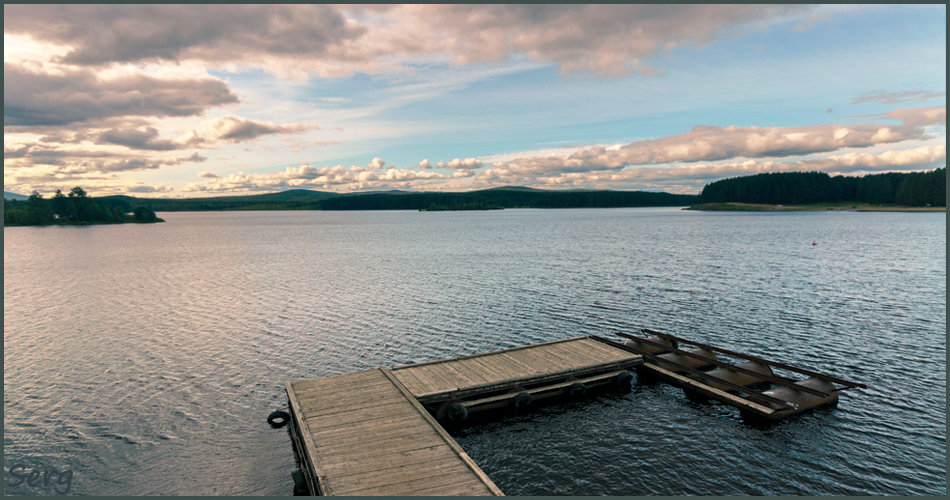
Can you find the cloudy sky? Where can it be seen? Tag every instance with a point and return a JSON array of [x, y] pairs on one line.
[[192, 100]]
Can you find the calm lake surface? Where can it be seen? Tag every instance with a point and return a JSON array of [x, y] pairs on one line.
[[146, 358]]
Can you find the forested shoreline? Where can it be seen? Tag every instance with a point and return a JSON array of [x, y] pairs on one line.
[[76, 208], [506, 198], [487, 199], [912, 189]]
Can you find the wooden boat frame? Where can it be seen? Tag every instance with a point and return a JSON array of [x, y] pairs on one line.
[[751, 402]]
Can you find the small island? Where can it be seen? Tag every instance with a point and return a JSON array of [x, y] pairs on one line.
[[76, 209]]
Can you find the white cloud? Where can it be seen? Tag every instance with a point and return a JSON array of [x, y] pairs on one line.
[[376, 175], [691, 177], [233, 129], [468, 163], [710, 143], [677, 178]]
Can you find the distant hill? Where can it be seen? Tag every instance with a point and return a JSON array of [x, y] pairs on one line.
[[514, 188], [507, 198], [13, 196], [391, 191], [294, 199], [504, 197]]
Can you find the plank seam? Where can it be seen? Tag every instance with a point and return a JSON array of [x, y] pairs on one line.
[[516, 348], [445, 435], [304, 430]]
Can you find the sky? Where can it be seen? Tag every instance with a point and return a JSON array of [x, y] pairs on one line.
[[212, 100]]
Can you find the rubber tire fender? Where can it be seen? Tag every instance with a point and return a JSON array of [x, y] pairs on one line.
[[521, 401], [623, 382], [278, 419], [577, 390], [456, 412]]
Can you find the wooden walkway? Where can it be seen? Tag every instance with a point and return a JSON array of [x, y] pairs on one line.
[[369, 433], [364, 434], [534, 364], [375, 432]]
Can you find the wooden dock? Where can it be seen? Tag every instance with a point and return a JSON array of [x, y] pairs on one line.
[[375, 433], [378, 432], [364, 434], [494, 379]]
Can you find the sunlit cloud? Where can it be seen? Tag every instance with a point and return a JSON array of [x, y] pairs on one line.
[[231, 128], [77, 165], [680, 178], [467, 163], [710, 143], [46, 179], [919, 117], [684, 178], [336, 178]]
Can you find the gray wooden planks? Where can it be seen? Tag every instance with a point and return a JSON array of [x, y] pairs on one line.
[[365, 436], [444, 376]]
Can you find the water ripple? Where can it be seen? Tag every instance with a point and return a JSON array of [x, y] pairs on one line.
[[146, 358]]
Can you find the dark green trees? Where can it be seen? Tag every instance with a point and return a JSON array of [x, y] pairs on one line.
[[64, 207], [76, 208], [82, 204], [38, 210], [143, 214], [923, 189], [35, 211], [802, 188], [505, 198]]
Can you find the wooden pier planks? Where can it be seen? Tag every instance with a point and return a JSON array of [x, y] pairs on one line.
[[364, 434], [578, 354], [367, 433]]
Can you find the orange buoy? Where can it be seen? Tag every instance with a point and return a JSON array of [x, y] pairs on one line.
[[814, 243]]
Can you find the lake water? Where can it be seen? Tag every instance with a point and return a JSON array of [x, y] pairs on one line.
[[146, 358]]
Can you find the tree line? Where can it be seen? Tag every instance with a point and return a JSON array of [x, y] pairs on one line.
[[506, 198], [484, 199], [915, 189], [74, 208]]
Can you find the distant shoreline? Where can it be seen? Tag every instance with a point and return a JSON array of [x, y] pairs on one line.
[[839, 206], [98, 223]]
